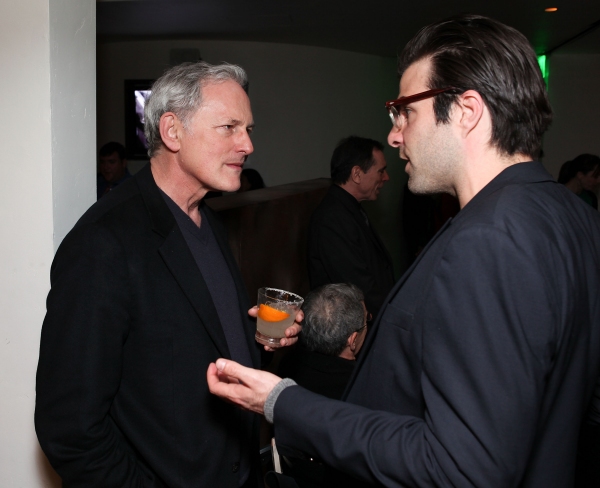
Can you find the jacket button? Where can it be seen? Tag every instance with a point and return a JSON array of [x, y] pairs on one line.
[[236, 467]]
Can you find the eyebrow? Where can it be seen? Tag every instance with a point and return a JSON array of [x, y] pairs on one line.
[[238, 122]]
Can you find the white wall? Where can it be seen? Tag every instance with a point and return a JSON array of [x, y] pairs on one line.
[[575, 98], [73, 101], [304, 100], [46, 146]]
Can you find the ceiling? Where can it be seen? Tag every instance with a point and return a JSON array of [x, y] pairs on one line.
[[380, 27]]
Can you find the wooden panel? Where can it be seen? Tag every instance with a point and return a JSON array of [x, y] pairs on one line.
[[268, 231]]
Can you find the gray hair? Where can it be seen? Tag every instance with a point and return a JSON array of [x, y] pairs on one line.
[[331, 314], [179, 90]]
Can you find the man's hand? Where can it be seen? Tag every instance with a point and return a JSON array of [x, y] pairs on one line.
[[291, 333], [246, 387]]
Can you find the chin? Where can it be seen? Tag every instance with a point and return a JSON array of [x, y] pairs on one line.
[[230, 186]]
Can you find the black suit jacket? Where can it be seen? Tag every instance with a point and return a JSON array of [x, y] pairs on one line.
[[342, 248], [130, 329], [485, 355]]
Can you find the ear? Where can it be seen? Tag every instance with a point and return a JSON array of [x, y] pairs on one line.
[[352, 341], [356, 174], [170, 128], [471, 109]]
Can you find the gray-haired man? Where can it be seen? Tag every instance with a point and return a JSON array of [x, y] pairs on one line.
[[145, 294], [334, 329]]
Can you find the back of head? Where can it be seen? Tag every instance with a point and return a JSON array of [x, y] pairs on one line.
[[470, 52], [350, 152], [179, 90], [113, 147], [331, 314]]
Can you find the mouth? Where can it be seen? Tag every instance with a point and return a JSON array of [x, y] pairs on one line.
[[236, 166]]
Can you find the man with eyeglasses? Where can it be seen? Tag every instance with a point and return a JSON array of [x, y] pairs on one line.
[[484, 357], [333, 332]]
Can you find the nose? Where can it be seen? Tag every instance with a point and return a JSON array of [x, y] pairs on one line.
[[395, 138], [386, 177], [245, 143]]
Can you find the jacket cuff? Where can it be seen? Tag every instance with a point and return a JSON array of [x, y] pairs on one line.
[[272, 398]]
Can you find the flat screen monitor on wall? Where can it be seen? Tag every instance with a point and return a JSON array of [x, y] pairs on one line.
[[136, 94]]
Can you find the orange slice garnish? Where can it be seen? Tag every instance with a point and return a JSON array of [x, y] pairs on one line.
[[271, 314]]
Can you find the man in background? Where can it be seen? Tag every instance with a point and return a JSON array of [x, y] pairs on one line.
[[333, 332], [485, 356], [343, 246], [112, 167], [145, 294]]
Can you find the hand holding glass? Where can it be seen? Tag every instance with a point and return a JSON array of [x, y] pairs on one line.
[[276, 312]]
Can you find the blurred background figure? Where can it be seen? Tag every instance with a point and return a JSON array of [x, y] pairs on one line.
[[250, 180], [334, 329], [112, 167], [343, 246], [582, 177]]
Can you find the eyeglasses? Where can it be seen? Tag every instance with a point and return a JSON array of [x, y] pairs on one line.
[[369, 318], [396, 107]]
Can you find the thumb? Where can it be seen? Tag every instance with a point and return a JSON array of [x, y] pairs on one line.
[[221, 363], [230, 368]]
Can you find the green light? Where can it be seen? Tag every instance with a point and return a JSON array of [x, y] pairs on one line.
[[543, 67]]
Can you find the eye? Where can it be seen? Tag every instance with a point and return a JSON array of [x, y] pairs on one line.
[[249, 130]]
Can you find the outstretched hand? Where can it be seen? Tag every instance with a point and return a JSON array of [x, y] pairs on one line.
[[291, 333], [246, 387]]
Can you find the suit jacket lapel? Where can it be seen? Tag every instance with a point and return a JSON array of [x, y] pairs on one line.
[[178, 258], [243, 299], [373, 332]]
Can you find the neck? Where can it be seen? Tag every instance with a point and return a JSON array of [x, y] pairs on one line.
[[351, 188], [178, 185], [348, 354], [480, 169]]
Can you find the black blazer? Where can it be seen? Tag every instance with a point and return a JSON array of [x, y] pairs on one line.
[[130, 329], [485, 355], [342, 248]]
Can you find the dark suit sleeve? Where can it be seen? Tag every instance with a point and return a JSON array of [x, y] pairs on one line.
[[80, 363], [339, 246], [488, 325]]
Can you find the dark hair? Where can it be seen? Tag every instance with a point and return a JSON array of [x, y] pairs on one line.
[[331, 314], [254, 178], [350, 152], [112, 147], [584, 163], [470, 52]]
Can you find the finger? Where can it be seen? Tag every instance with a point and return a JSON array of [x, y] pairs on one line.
[[299, 316], [290, 341], [212, 376], [293, 330], [221, 385], [253, 312], [233, 371]]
